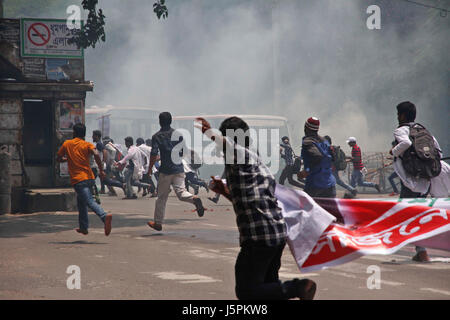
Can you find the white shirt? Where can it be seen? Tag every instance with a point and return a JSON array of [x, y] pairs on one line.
[[111, 153], [145, 154], [134, 154], [187, 168], [440, 185]]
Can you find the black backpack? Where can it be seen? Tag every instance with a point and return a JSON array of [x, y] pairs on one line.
[[339, 158], [297, 164], [422, 159]]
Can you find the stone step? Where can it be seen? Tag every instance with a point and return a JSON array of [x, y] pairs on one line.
[[45, 200]]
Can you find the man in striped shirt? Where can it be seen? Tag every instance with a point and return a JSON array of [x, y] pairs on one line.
[[356, 159]]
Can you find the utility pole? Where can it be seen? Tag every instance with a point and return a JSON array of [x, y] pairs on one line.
[[276, 80], [1, 9]]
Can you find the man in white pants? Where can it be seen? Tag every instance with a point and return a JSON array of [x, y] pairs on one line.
[[170, 173]]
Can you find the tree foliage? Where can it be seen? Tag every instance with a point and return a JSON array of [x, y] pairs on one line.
[[160, 9], [93, 30]]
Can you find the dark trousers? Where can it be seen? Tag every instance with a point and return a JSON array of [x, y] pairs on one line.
[[193, 179], [256, 273], [321, 193], [288, 173], [148, 179], [405, 192], [107, 181]]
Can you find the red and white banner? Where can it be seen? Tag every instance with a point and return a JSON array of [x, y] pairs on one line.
[[359, 227]]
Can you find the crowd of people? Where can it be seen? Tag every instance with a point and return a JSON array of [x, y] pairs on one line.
[[130, 168], [250, 186]]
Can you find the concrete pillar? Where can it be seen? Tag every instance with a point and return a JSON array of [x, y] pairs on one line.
[[5, 181]]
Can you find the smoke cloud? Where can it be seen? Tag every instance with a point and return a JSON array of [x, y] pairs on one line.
[[291, 58]]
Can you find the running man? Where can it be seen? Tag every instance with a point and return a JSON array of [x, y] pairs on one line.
[[77, 153]]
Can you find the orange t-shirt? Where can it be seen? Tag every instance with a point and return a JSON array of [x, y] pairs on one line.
[[77, 152]]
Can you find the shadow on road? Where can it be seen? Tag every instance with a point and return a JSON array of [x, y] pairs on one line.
[[76, 242], [19, 226]]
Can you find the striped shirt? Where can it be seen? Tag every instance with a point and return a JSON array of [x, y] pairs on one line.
[[357, 160]]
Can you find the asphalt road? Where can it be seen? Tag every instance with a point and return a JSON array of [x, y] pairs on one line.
[[191, 258]]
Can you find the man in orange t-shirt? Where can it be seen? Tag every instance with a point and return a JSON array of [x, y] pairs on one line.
[[77, 153]]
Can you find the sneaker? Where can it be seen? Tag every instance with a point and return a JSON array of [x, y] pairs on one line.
[[393, 194], [85, 232], [199, 206], [215, 200], [378, 188], [421, 256], [153, 195], [154, 225], [108, 225], [144, 193], [306, 289], [348, 195], [354, 192], [132, 197]]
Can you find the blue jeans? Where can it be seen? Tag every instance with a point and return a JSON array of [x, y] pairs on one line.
[[357, 178], [130, 182], [342, 183], [391, 180], [85, 201]]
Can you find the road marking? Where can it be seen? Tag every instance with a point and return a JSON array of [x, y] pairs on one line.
[[207, 254], [210, 224], [431, 266], [185, 278], [287, 275], [391, 283], [436, 291], [343, 274]]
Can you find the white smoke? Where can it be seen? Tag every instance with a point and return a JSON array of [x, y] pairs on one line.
[[291, 58]]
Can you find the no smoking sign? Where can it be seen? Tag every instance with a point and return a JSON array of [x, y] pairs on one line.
[[47, 38], [38, 34]]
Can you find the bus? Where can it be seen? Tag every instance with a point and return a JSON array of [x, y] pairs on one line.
[[254, 122], [121, 122]]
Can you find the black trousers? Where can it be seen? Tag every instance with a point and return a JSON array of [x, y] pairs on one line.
[[321, 193], [107, 181], [405, 192], [288, 172], [148, 179], [193, 180], [256, 272]]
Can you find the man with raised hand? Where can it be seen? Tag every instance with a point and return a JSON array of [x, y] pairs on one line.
[[262, 230]]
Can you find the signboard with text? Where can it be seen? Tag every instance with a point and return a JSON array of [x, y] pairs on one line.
[[47, 38]]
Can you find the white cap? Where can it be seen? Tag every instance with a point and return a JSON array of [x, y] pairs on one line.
[[351, 139]]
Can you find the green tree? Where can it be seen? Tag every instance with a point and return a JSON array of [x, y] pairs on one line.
[[93, 30], [90, 33]]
